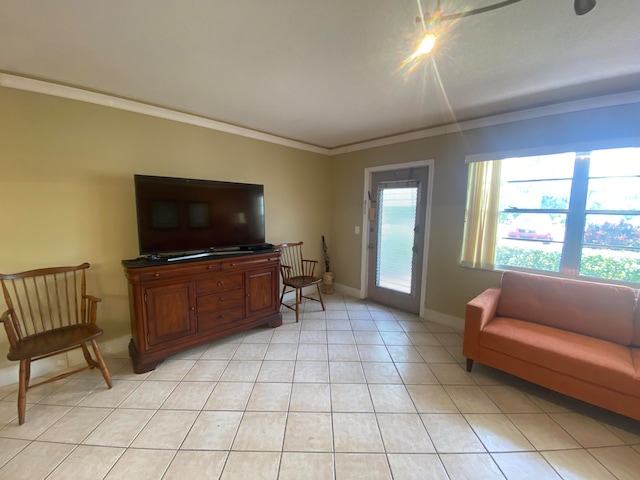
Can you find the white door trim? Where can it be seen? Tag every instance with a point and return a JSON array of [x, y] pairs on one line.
[[368, 172]]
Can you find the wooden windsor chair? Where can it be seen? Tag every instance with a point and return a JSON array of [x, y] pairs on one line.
[[49, 313], [297, 274]]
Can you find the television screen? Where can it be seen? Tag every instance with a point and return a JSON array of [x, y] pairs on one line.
[[177, 215]]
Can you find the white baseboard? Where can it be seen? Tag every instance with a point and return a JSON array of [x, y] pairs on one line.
[[444, 319], [290, 297], [352, 292], [431, 315], [9, 374]]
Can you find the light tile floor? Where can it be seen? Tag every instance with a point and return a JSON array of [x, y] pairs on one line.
[[360, 391]]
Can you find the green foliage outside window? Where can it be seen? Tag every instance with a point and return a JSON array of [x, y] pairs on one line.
[[528, 258], [620, 234], [603, 265], [626, 269]]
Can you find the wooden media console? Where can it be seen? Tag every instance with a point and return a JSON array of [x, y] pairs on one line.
[[178, 305]]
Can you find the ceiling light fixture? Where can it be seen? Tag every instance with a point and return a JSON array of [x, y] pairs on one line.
[[431, 21], [583, 6]]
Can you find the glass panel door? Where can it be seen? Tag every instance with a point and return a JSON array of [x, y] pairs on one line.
[[397, 217]]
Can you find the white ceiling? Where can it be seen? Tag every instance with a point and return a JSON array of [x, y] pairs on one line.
[[327, 72]]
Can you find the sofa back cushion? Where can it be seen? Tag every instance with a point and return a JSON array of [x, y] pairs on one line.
[[594, 309]]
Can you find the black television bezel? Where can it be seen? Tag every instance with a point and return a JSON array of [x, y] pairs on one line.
[[199, 221]]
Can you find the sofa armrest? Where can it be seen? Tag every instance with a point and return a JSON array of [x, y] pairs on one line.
[[480, 311]]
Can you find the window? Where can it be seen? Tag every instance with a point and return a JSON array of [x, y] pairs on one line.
[[575, 213], [396, 235]]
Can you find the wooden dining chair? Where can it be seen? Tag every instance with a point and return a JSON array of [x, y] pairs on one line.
[[297, 273], [49, 313]]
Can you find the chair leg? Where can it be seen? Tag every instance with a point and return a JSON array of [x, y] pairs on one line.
[[101, 365], [284, 289], [28, 375], [87, 356], [320, 295], [298, 300], [23, 385]]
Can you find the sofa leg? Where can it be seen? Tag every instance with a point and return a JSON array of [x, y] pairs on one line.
[[469, 364]]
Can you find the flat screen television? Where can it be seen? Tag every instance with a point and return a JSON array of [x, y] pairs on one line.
[[180, 215]]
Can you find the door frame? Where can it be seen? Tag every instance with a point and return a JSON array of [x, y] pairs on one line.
[[364, 262]]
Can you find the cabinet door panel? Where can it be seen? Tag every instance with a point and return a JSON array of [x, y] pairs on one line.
[[261, 289], [169, 312]]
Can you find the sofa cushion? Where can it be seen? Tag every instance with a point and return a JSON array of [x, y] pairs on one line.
[[595, 309], [591, 359]]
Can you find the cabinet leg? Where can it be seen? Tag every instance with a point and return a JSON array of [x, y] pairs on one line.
[[141, 365], [275, 322]]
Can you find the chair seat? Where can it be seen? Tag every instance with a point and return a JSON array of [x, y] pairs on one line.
[[297, 273], [53, 341], [49, 313], [302, 281]]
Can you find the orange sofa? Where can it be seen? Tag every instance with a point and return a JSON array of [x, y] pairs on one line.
[[578, 338]]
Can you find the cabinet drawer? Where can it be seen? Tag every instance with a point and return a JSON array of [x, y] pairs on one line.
[[257, 261], [219, 283], [154, 275], [219, 301], [221, 320], [179, 271]]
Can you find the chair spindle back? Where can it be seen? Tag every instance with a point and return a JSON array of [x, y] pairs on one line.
[[292, 261], [45, 299]]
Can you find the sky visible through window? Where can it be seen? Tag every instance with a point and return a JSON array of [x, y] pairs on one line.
[[541, 195]]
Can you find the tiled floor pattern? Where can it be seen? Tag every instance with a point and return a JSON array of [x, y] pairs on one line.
[[358, 392]]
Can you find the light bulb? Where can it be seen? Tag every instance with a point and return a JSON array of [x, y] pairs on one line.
[[426, 45]]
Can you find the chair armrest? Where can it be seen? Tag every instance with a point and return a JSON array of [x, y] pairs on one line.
[[12, 335], [285, 270], [309, 266], [479, 312], [91, 298], [92, 307]]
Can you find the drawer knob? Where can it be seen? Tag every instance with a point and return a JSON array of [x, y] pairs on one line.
[[221, 299], [220, 283], [220, 317], [210, 267], [156, 274]]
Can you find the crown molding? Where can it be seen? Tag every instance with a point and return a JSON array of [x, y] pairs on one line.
[[517, 116], [73, 93]]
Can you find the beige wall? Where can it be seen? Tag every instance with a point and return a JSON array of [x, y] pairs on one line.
[[66, 172], [450, 286], [66, 183]]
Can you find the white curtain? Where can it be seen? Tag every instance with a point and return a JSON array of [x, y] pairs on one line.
[[481, 216]]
